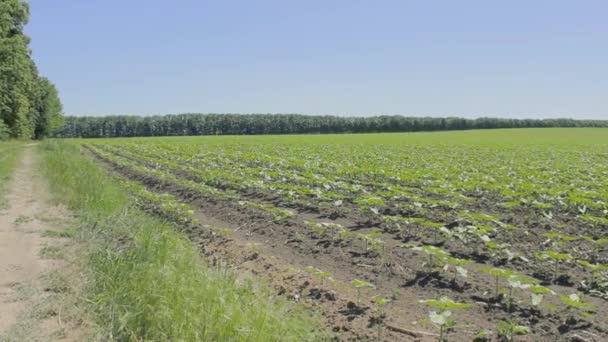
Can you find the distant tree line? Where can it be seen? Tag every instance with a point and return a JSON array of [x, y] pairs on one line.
[[236, 124], [29, 103]]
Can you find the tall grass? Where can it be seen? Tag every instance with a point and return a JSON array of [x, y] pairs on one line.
[[148, 282], [9, 152]]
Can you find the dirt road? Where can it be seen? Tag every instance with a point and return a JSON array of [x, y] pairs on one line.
[[24, 252]]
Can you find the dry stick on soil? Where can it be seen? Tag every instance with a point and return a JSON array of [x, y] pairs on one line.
[[412, 333]]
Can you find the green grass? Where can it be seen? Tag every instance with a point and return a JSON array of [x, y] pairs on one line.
[[510, 137], [148, 282], [9, 152], [51, 252]]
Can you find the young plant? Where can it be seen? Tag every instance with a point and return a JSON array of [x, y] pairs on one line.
[[559, 240], [380, 304], [441, 316], [281, 215], [323, 275], [598, 244], [556, 258], [222, 233], [501, 250], [507, 330], [538, 292], [457, 264], [575, 305], [372, 242], [516, 281], [595, 269], [370, 206], [497, 273], [359, 285], [434, 255], [316, 229]]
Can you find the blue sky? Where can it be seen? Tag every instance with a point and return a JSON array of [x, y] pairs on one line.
[[466, 58]]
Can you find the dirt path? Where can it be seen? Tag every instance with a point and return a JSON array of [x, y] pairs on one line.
[[25, 258]]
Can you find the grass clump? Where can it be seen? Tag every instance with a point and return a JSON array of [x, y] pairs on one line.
[[51, 252], [8, 160], [148, 282]]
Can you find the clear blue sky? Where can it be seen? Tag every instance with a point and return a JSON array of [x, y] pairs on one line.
[[519, 58]]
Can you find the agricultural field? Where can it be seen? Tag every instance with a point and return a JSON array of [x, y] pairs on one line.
[[494, 234]]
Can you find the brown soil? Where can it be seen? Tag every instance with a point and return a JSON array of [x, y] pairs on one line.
[[24, 266], [280, 253]]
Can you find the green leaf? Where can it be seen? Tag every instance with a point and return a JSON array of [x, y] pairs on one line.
[[440, 318], [360, 283]]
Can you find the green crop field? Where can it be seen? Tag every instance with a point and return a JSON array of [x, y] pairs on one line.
[[496, 232]]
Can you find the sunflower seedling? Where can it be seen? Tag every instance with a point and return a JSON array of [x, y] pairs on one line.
[[516, 281], [441, 316], [497, 273], [556, 258], [434, 255], [457, 264], [321, 274], [598, 244], [507, 330], [359, 285], [595, 269], [380, 304], [575, 305], [559, 240], [538, 292]]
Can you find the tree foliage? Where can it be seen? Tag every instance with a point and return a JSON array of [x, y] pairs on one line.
[[29, 104], [233, 124]]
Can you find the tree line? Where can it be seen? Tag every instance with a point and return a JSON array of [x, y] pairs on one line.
[[29, 103], [239, 124]]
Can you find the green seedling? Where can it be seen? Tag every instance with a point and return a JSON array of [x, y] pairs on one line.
[[380, 304], [482, 336], [440, 231], [359, 285], [598, 244], [323, 275], [575, 305], [369, 206], [507, 330], [372, 242], [473, 233], [501, 249], [434, 255], [457, 264], [221, 232], [556, 258], [497, 273], [326, 229], [595, 269], [559, 240], [517, 281], [441, 316], [537, 293], [392, 224]]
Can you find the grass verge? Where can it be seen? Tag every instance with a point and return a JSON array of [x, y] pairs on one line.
[[147, 281], [8, 158]]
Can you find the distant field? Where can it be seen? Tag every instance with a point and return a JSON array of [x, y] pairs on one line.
[[512, 222], [527, 136]]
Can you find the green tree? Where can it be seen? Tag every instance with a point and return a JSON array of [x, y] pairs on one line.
[[29, 104], [46, 108], [15, 68]]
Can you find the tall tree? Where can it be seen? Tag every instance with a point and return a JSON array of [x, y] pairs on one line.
[[29, 104], [46, 108]]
